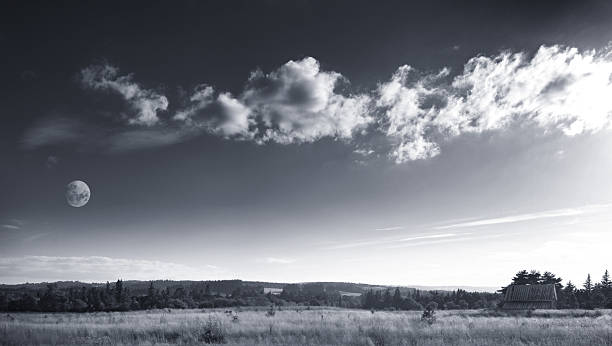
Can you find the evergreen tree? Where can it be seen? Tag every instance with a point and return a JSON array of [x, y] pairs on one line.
[[605, 280], [534, 277], [397, 299], [550, 278], [588, 285], [118, 290], [606, 285]]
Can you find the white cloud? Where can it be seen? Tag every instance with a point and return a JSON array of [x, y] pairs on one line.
[[97, 268], [278, 260], [364, 152], [298, 103], [224, 115], [557, 89], [295, 103], [395, 228], [146, 103], [394, 240]]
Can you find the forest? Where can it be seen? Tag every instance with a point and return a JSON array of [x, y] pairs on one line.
[[141, 295]]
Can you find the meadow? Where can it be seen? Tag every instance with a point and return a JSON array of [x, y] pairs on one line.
[[325, 326]]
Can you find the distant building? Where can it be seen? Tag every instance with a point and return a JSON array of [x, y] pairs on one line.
[[272, 290], [525, 297]]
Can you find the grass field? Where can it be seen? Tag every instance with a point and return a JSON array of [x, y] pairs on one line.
[[326, 326]]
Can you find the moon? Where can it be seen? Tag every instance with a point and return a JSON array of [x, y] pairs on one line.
[[77, 193]]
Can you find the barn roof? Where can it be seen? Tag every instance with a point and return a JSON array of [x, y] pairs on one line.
[[531, 293]]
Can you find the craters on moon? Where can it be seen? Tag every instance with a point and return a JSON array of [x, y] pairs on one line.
[[77, 193]]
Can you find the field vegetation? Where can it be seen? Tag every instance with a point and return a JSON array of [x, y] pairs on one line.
[[313, 326]]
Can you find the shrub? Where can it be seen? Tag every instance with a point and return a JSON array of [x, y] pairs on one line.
[[214, 332], [429, 314]]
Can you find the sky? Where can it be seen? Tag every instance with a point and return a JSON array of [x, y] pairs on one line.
[[402, 143]]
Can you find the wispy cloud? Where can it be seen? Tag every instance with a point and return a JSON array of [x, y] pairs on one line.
[[13, 227], [55, 131], [449, 238], [393, 240], [528, 217], [278, 260], [395, 228], [36, 236], [98, 268]]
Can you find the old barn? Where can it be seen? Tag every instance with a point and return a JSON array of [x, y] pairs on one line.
[[524, 297]]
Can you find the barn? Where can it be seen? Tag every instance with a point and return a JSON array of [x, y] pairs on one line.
[[526, 297]]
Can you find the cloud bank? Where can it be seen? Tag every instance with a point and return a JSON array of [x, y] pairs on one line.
[[559, 88], [556, 89], [296, 103], [97, 269]]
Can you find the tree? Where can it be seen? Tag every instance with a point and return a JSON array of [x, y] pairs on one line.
[[397, 299], [606, 286], [207, 290], [588, 285], [387, 300], [570, 300], [550, 278], [534, 278], [599, 300], [118, 290], [521, 278]]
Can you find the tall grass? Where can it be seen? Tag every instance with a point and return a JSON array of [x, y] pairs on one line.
[[308, 327]]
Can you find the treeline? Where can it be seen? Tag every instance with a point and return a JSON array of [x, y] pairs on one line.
[[591, 295], [137, 295], [418, 299], [118, 297]]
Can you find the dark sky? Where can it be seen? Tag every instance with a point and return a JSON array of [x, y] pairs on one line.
[[207, 203]]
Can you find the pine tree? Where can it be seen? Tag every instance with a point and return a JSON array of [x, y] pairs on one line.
[[550, 278], [521, 278], [397, 299], [588, 285], [118, 290], [534, 277], [606, 284]]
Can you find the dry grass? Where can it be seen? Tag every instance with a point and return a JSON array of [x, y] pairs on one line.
[[309, 327]]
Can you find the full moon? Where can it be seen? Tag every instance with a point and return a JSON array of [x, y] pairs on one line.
[[77, 193]]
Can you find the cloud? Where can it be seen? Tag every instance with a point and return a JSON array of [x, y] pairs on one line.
[[145, 103], [277, 260], [12, 227], [363, 152], [52, 131], [390, 228], [56, 131], [393, 240], [298, 103], [143, 138], [97, 269], [446, 239], [224, 115], [558, 89], [529, 217], [295, 103]]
